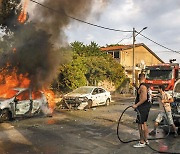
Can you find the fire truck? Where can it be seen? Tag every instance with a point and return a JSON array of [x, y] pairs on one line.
[[162, 74]]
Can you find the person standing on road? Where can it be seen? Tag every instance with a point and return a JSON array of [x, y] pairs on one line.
[[142, 104], [165, 111]]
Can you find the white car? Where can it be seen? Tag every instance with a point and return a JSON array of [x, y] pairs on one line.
[[20, 102], [86, 97]]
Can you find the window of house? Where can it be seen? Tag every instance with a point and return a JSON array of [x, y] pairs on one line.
[[116, 54], [110, 53]]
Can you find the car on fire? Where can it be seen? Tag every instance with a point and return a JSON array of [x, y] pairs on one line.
[[20, 102], [86, 97]]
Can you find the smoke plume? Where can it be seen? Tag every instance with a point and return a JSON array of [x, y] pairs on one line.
[[36, 42], [56, 22]]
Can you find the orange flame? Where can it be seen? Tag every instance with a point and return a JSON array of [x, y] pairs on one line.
[[23, 15], [10, 80], [50, 97]]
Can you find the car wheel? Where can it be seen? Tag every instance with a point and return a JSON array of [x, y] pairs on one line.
[[5, 115], [89, 104], [108, 102]]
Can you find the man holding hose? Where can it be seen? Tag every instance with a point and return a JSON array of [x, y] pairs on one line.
[[142, 104]]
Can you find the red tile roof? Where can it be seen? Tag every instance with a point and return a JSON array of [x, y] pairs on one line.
[[119, 47], [125, 47]]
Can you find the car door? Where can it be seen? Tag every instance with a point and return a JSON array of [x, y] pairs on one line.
[[23, 104], [102, 96], [95, 97], [36, 101]]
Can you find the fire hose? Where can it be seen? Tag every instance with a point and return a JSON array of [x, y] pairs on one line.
[[128, 141]]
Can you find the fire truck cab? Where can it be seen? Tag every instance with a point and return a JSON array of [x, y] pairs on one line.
[[162, 74]]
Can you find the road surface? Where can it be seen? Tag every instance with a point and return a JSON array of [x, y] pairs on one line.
[[81, 132]]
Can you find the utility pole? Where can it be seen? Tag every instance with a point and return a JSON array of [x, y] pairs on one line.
[[133, 65], [134, 40]]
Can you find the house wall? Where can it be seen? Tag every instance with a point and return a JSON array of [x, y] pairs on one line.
[[142, 57], [141, 54]]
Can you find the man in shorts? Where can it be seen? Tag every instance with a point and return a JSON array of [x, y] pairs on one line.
[[142, 105], [165, 111]]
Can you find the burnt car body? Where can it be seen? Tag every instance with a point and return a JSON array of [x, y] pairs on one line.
[[22, 102], [86, 97]]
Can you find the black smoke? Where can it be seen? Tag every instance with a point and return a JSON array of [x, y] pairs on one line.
[[34, 55], [55, 22], [36, 42]]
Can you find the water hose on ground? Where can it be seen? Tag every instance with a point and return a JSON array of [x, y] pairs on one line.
[[128, 141]]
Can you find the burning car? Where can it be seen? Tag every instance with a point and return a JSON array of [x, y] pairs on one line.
[[86, 97], [20, 102]]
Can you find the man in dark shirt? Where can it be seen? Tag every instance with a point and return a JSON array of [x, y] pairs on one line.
[[142, 104]]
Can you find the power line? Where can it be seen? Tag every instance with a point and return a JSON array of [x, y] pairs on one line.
[[95, 25], [160, 44], [107, 28], [125, 39]]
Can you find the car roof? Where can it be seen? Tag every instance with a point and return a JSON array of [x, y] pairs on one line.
[[20, 89], [91, 87]]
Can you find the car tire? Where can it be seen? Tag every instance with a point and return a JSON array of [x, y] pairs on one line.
[[89, 104], [5, 115], [108, 102]]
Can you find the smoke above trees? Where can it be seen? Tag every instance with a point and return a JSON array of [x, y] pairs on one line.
[[31, 47]]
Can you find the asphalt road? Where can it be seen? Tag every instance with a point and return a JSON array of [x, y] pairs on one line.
[[81, 132]]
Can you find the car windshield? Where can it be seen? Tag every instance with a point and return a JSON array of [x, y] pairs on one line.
[[159, 74], [8, 94], [83, 90], [177, 88]]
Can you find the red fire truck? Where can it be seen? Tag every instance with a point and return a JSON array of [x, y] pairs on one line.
[[162, 74]]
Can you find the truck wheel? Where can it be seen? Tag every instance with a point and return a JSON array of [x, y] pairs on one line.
[[5, 115]]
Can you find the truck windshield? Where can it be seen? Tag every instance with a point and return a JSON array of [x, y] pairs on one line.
[[159, 74]]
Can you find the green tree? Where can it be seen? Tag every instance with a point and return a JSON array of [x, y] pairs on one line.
[[71, 75], [92, 49], [9, 12], [89, 65]]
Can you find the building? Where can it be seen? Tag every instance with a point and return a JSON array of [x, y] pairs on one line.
[[143, 56]]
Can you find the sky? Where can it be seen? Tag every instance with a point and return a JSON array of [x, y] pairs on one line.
[[160, 16]]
